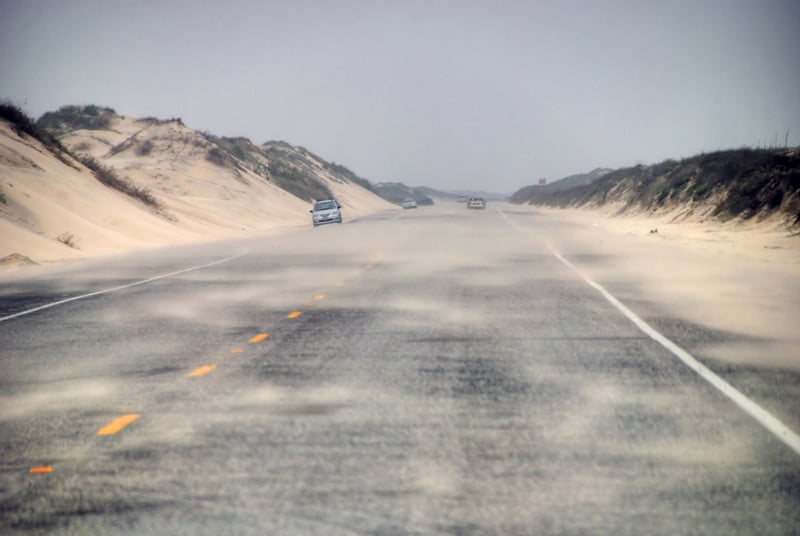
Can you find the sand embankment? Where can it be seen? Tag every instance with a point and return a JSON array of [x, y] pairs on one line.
[[54, 211]]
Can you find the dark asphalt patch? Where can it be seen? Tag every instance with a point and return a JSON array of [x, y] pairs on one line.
[[49, 505], [448, 340], [147, 373], [13, 304], [484, 378], [137, 454], [690, 335]]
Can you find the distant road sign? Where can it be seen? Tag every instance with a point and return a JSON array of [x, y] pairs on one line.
[[542, 181]]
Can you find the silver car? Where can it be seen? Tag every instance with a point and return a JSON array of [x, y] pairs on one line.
[[326, 211]]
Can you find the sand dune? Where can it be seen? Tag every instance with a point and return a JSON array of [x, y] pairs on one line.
[[55, 211]]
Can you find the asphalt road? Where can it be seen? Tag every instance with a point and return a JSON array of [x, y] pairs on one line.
[[438, 371]]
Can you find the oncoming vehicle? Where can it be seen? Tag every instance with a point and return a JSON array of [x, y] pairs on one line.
[[409, 203], [476, 202], [326, 211]]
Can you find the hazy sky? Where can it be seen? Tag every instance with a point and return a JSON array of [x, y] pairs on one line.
[[450, 94]]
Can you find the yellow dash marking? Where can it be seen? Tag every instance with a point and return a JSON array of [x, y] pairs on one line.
[[294, 314], [117, 424], [370, 266], [237, 351], [41, 470], [260, 337], [200, 371], [319, 297]]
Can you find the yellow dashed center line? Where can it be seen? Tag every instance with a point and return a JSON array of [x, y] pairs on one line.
[[200, 371], [117, 424], [121, 422], [41, 470]]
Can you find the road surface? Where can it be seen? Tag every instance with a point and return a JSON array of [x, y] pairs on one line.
[[438, 371]]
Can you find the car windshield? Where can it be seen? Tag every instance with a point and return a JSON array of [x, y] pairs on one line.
[[325, 205]]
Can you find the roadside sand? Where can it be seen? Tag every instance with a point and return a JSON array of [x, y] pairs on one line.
[[768, 240], [740, 280]]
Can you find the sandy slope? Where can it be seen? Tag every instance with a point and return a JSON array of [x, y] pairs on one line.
[[177, 171], [47, 199]]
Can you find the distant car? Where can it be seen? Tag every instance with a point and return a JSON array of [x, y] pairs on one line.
[[476, 202], [462, 199], [409, 203], [326, 211]]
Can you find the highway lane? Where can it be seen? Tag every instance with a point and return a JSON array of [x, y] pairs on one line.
[[437, 371]]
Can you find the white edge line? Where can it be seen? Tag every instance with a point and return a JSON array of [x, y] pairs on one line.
[[114, 289], [766, 419]]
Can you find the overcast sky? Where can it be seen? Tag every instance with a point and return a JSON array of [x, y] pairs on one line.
[[463, 94]]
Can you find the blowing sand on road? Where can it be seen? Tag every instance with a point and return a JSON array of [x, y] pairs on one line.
[[438, 371]]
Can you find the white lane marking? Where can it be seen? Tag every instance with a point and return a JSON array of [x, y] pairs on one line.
[[114, 289], [766, 419]]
